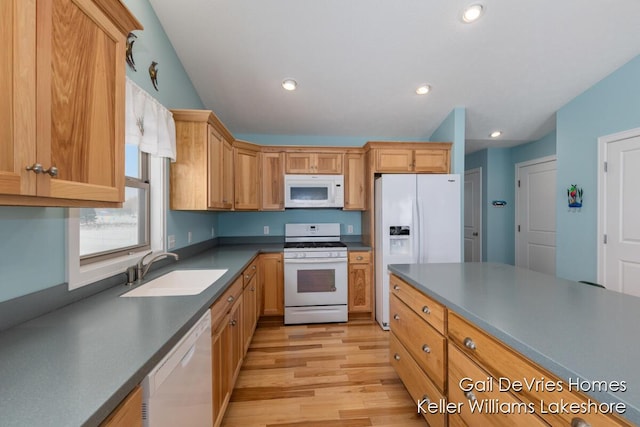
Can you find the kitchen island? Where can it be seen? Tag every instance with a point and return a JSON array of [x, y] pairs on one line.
[[577, 333]]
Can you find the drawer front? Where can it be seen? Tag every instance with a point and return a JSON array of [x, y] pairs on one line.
[[415, 381], [503, 362], [250, 271], [425, 344], [225, 302], [430, 310], [359, 257], [513, 413]]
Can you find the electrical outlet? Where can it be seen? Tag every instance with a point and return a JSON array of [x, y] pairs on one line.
[[213, 232], [350, 229], [266, 229], [171, 241], [189, 237]]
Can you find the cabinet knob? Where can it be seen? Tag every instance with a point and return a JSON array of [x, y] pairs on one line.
[[396, 316], [426, 348], [53, 171], [469, 395], [233, 322], [396, 287], [469, 343], [396, 356], [230, 299], [579, 422], [36, 167], [253, 267], [425, 398], [359, 257], [246, 276], [252, 289], [426, 310]]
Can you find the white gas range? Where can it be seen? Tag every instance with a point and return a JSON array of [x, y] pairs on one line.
[[315, 274]]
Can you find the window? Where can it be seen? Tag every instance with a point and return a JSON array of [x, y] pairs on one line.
[[108, 233]]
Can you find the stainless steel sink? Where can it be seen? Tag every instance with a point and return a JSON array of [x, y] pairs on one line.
[[177, 283]]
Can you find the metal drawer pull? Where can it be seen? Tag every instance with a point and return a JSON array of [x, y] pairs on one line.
[[253, 267], [396, 287], [469, 343], [426, 310], [396, 317], [359, 257], [469, 395], [36, 167], [230, 299], [396, 356], [426, 399], [579, 422], [53, 171], [246, 276], [233, 322], [426, 349]]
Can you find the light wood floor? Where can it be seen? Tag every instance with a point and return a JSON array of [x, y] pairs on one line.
[[320, 375]]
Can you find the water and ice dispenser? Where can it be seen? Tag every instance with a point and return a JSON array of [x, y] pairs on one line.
[[399, 240]]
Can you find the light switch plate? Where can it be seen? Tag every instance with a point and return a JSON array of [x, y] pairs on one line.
[[266, 229]]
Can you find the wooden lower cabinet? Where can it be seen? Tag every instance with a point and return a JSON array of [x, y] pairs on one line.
[[250, 311], [360, 283], [468, 365], [128, 413], [272, 277]]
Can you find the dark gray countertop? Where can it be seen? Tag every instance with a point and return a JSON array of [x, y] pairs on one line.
[[73, 366], [572, 329]]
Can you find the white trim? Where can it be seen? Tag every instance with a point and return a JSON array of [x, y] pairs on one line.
[[518, 166], [77, 275], [481, 234], [602, 197]]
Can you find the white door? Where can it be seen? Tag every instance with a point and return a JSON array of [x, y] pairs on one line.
[[621, 205], [473, 215], [536, 215]]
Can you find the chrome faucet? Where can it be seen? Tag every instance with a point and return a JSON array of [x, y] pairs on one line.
[[143, 269]]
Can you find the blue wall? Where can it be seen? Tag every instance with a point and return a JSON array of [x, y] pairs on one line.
[[498, 183], [453, 129], [32, 255], [610, 106]]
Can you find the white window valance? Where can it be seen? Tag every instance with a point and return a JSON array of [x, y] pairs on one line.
[[148, 123]]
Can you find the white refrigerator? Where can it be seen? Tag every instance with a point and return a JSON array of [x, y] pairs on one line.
[[417, 220]]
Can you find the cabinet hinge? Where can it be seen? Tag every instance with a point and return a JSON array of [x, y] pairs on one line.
[[604, 240], [605, 166], [518, 228], [518, 183]]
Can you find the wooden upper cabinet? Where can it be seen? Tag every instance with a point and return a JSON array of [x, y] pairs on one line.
[[62, 75], [431, 157], [272, 181], [354, 181], [202, 176], [306, 162], [246, 172]]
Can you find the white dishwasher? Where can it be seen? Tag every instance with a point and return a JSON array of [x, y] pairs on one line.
[[178, 391]]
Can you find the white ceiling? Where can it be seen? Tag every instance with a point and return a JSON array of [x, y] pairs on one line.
[[358, 62]]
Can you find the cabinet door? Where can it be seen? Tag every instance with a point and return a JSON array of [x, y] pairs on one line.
[[354, 181], [227, 175], [246, 179], [300, 163], [272, 274], [250, 307], [328, 163], [80, 92], [220, 341], [360, 282], [216, 169], [272, 181], [434, 160], [17, 103], [394, 160], [236, 345]]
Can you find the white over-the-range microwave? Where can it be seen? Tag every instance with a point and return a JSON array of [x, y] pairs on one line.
[[313, 191]]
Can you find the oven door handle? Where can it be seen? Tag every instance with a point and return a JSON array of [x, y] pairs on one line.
[[315, 260]]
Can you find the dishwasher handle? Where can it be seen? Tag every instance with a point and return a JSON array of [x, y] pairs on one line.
[[187, 357]]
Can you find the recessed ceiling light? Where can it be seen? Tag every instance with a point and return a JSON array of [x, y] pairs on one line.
[[472, 13], [495, 133], [289, 84], [423, 90]]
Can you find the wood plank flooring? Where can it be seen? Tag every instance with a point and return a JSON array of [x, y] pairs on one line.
[[320, 375]]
